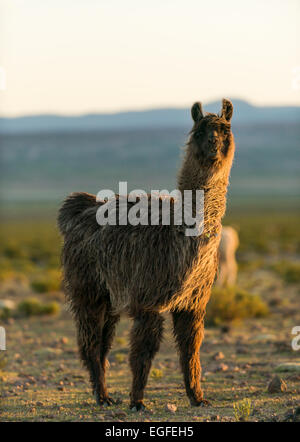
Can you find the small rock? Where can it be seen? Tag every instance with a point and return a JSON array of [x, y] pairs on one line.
[[288, 366], [275, 301], [292, 415], [7, 303], [225, 328], [64, 340], [218, 356], [222, 367], [110, 414], [277, 385], [227, 339], [282, 346], [215, 417], [120, 413], [171, 408], [31, 380], [242, 350], [264, 337], [48, 352]]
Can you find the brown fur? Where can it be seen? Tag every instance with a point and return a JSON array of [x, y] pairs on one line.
[[145, 270]]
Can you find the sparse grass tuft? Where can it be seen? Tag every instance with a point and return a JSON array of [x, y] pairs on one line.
[[47, 282], [242, 410], [3, 360], [156, 373], [120, 341], [120, 357], [32, 307], [289, 271], [231, 303], [5, 313]]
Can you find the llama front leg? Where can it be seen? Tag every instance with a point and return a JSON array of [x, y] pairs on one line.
[[108, 334], [189, 332], [146, 335], [90, 325]]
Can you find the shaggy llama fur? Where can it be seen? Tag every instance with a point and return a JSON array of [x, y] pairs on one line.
[[148, 269]]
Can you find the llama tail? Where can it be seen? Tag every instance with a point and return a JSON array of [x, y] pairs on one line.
[[72, 207]]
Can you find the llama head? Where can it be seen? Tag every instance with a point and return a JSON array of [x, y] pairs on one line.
[[211, 134]]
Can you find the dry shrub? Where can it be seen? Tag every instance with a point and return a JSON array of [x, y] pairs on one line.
[[49, 281], [32, 307], [231, 304], [289, 271]]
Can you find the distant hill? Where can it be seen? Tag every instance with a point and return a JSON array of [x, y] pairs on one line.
[[47, 166], [245, 113]]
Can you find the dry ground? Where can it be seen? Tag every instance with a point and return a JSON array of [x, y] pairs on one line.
[[42, 380]]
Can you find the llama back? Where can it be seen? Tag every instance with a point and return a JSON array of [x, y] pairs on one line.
[[73, 207], [140, 265]]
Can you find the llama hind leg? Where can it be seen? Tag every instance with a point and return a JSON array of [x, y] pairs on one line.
[[108, 333], [90, 325], [189, 332], [146, 335]]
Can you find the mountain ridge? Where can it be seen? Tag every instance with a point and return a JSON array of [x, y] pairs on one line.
[[245, 113]]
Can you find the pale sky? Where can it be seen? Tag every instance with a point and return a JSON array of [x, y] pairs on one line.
[[79, 56]]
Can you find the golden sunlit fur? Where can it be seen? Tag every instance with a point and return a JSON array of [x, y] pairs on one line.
[[147, 269]]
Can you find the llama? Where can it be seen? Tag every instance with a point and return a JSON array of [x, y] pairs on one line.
[[147, 270], [227, 263]]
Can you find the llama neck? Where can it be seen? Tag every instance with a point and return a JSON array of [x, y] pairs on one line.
[[213, 181]]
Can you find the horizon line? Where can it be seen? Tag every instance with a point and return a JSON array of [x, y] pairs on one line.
[[141, 109]]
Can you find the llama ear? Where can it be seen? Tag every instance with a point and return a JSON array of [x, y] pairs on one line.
[[196, 111], [227, 109]]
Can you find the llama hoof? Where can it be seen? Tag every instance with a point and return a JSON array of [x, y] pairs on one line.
[[203, 403], [137, 407], [105, 402]]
